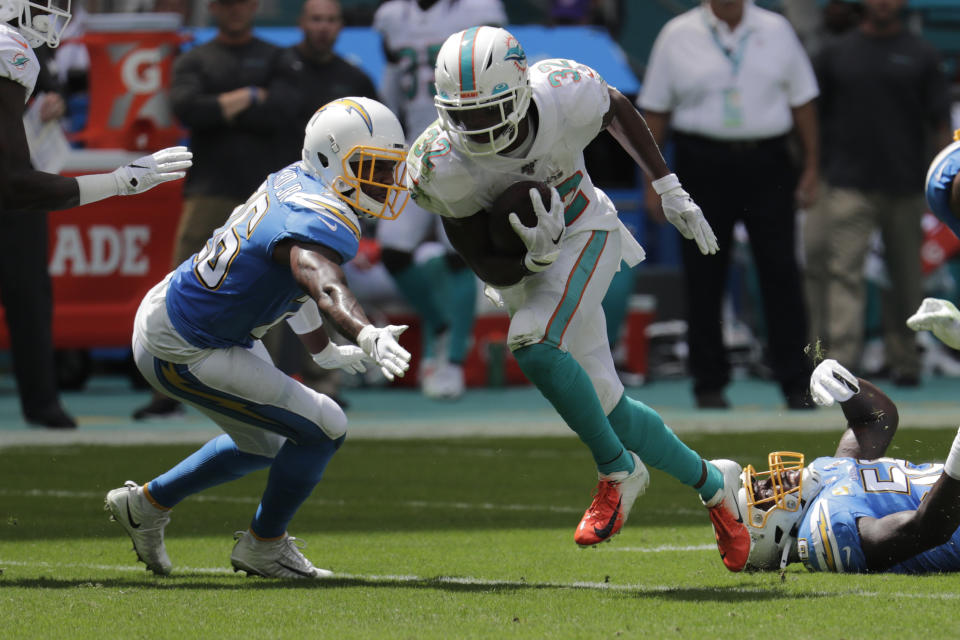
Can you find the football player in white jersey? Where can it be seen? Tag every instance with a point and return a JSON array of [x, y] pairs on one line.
[[412, 32], [501, 122], [197, 335], [21, 187]]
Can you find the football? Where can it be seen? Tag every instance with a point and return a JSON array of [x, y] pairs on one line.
[[514, 199]]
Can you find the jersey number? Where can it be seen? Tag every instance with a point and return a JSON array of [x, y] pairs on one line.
[[900, 476], [214, 260], [411, 70]]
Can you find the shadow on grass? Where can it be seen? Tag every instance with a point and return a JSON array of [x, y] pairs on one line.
[[229, 582]]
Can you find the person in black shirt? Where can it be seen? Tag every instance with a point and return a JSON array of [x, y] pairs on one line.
[[236, 94], [26, 194], [884, 106], [322, 76]]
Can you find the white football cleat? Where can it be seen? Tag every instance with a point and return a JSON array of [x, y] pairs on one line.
[[279, 558], [445, 382], [143, 522]]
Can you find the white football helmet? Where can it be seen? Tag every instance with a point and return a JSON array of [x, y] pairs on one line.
[[39, 21], [772, 518], [483, 89], [356, 147]]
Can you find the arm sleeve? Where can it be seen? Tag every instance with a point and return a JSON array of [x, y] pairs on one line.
[[656, 93], [802, 81], [307, 319]]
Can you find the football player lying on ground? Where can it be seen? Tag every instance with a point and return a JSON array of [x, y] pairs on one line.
[[23, 188], [196, 335], [856, 511], [943, 185], [500, 124]]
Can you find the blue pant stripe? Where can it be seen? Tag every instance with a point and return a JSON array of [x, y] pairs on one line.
[[178, 381]]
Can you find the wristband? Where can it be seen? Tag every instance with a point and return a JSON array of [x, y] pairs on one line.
[[254, 95], [952, 466], [97, 186], [322, 357], [666, 183]]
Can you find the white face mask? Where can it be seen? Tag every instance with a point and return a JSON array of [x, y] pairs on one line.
[[40, 21]]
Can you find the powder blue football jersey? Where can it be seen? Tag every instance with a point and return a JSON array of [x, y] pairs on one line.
[[232, 291], [828, 539], [940, 175]]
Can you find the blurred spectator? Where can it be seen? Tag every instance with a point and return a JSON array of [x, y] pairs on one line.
[[602, 13], [322, 76], [236, 94], [732, 80], [883, 94], [174, 6], [412, 32], [26, 290]]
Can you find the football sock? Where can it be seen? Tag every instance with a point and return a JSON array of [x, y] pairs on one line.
[[216, 462], [295, 472], [566, 385], [642, 430], [461, 297], [417, 284]]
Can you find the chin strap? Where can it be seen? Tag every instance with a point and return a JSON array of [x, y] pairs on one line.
[[786, 552]]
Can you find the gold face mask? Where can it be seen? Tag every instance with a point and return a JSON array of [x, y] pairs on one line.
[[376, 178], [772, 489]]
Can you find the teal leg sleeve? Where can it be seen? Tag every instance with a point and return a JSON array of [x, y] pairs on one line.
[[642, 430], [418, 285], [566, 385], [461, 303]]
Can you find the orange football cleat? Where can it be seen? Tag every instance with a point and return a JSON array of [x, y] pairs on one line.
[[611, 504]]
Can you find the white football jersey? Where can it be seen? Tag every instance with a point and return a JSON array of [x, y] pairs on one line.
[[18, 62], [571, 100], [415, 37]]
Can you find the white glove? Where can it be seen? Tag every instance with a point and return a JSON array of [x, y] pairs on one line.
[[683, 213], [149, 171], [940, 317], [346, 357], [380, 343], [542, 241], [831, 382]]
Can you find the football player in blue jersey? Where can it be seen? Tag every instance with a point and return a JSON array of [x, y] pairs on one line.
[[943, 187], [856, 511], [197, 335]]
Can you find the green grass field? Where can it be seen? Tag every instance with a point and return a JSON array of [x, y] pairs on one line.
[[464, 538]]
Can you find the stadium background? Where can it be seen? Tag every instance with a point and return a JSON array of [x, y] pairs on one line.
[[92, 320]]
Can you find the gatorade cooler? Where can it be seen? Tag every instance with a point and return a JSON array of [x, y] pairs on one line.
[[131, 59]]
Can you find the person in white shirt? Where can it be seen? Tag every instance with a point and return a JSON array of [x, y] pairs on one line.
[[730, 82]]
